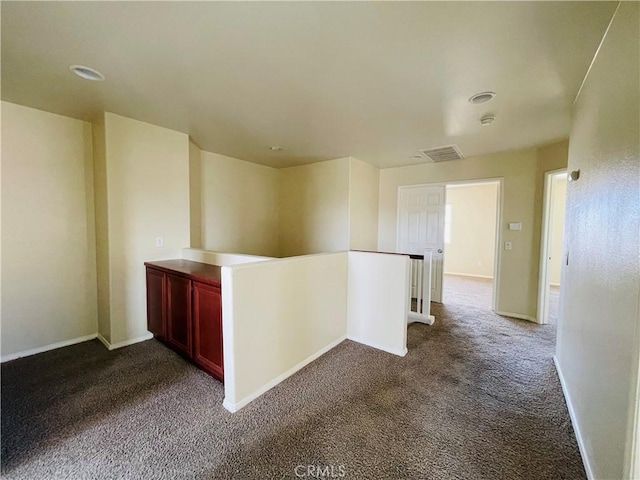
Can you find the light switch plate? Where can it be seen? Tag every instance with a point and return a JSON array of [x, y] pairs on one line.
[[159, 242], [507, 245]]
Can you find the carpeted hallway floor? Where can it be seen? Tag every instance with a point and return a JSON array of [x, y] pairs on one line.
[[463, 290], [478, 292], [476, 397]]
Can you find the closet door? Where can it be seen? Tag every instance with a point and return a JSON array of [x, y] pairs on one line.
[[179, 313]]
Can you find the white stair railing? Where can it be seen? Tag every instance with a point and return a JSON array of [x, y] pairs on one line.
[[421, 289]]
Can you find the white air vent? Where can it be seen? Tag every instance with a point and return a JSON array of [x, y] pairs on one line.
[[442, 154]]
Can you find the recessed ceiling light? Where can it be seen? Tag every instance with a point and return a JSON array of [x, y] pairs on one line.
[[275, 148], [487, 120], [482, 97], [87, 73]]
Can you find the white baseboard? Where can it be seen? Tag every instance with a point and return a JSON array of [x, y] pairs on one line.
[[468, 275], [46, 348], [234, 407], [384, 348], [518, 315], [413, 317], [113, 346], [574, 421], [104, 341]]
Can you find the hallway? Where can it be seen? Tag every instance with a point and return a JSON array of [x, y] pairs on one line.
[[477, 292]]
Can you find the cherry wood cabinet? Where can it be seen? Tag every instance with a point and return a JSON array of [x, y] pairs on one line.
[[179, 324], [155, 303], [184, 310], [207, 328]]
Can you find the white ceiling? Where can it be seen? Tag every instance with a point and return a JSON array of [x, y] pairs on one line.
[[324, 80]]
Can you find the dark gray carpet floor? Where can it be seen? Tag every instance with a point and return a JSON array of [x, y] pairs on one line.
[[476, 397], [478, 292]]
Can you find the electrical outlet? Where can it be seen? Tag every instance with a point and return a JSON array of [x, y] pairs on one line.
[[159, 242], [507, 245]]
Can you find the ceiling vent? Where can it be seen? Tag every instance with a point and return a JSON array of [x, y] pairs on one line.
[[442, 154]]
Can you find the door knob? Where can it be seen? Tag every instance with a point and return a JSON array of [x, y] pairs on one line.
[[439, 250]]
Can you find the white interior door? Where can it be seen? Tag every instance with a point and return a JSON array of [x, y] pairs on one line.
[[421, 227]]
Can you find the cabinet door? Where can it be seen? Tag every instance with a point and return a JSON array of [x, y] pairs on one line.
[[156, 303], [179, 313], [207, 327]]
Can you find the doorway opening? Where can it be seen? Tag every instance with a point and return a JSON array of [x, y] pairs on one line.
[[552, 245], [427, 226], [470, 237]]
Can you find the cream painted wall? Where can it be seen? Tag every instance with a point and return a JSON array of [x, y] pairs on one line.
[[259, 210], [523, 172], [314, 208], [195, 195], [473, 229], [598, 329], [48, 233], [356, 295], [363, 205], [0, 229], [558, 198], [274, 323], [147, 193], [551, 157], [240, 206], [378, 300], [102, 227]]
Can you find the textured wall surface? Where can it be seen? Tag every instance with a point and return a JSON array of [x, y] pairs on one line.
[[598, 328]]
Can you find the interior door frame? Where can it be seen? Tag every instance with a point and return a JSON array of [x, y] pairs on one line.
[[497, 262], [543, 278]]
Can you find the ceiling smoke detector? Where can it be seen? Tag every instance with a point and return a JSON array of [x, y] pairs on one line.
[[87, 73], [482, 97], [487, 120], [442, 154]]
